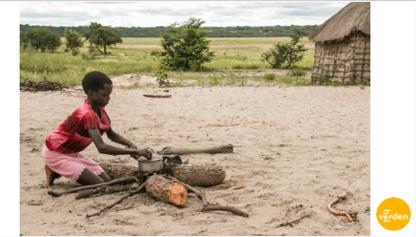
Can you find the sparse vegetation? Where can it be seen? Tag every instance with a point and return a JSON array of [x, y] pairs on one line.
[[297, 72], [162, 77], [269, 77], [236, 61]]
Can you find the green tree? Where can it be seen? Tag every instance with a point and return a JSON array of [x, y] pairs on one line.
[[185, 46], [73, 41], [286, 53], [40, 38], [102, 36]]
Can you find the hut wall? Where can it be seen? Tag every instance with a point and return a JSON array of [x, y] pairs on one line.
[[346, 61]]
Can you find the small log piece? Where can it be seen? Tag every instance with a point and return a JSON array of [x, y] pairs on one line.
[[198, 175], [116, 171], [194, 150], [166, 190]]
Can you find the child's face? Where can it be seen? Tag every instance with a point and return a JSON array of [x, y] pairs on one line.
[[101, 96]]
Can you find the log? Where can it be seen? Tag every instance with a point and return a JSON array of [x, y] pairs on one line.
[[183, 151], [116, 171], [166, 190], [198, 175]]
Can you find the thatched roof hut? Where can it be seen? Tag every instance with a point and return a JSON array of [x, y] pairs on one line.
[[342, 46]]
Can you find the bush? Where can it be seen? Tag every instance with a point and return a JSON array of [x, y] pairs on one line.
[[297, 72], [73, 41], [269, 77], [285, 53], [40, 38], [185, 47], [162, 77]]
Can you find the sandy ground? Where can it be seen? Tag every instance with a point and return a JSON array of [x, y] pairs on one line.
[[296, 149]]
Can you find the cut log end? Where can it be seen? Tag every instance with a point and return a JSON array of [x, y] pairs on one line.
[[178, 195], [166, 190]]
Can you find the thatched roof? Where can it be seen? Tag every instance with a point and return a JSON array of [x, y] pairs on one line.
[[355, 17]]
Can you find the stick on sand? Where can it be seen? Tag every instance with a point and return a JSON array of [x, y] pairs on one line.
[[74, 190]]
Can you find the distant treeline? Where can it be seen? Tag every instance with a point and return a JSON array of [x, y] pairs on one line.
[[229, 31]]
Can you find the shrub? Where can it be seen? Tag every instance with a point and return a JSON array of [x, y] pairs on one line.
[[297, 72], [162, 77], [269, 77], [285, 53], [40, 38], [185, 46], [73, 41]]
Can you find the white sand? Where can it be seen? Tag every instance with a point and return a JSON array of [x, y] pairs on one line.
[[296, 148]]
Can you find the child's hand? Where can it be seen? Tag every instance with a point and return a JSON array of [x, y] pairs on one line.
[[132, 146], [142, 152], [146, 153]]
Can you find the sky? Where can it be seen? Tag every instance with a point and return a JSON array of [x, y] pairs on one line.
[[163, 13]]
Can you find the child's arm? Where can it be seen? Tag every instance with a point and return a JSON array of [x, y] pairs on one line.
[[117, 138], [112, 150]]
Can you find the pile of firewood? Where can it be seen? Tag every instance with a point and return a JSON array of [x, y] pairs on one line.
[[170, 185]]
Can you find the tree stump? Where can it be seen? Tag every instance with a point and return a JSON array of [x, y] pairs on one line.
[[166, 190], [198, 175]]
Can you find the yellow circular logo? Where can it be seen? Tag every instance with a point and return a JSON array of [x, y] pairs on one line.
[[393, 213]]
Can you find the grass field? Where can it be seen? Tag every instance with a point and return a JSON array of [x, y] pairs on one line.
[[235, 59]]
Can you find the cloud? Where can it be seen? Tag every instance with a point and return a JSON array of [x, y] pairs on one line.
[[162, 13]]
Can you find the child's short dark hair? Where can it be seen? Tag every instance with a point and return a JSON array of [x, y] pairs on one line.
[[94, 81]]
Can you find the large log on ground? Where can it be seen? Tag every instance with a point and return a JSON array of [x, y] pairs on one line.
[[193, 150], [198, 175], [118, 171], [166, 190]]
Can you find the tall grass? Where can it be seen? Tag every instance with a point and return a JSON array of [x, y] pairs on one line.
[[134, 56]]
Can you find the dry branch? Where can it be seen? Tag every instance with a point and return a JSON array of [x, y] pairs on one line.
[[214, 207], [295, 221], [104, 190], [183, 151], [112, 182], [352, 216], [206, 206], [157, 96], [139, 189]]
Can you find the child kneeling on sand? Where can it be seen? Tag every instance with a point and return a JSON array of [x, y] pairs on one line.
[[85, 125]]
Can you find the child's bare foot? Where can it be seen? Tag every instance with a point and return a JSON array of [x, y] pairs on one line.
[[50, 176]]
